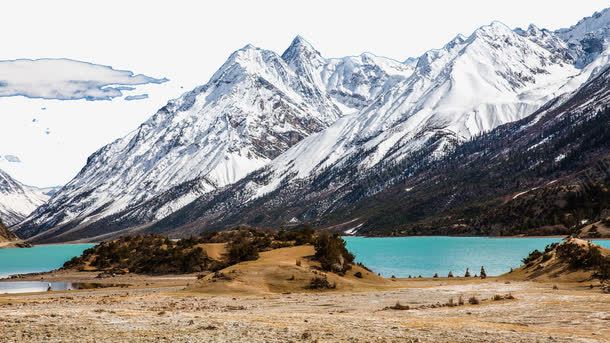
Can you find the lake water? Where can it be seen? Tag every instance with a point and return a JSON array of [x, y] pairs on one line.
[[404, 256], [399, 256], [40, 258], [14, 287]]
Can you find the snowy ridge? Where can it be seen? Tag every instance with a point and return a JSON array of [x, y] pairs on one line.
[[470, 86], [589, 37], [17, 200], [305, 126], [254, 107]]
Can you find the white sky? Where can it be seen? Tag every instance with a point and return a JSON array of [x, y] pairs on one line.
[[186, 41]]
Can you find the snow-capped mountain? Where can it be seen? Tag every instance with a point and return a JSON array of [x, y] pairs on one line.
[[17, 200], [589, 37], [470, 86], [353, 81], [546, 174], [256, 106], [275, 139]]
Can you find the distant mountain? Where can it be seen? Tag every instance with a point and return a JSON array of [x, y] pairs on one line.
[[588, 39], [255, 107], [17, 200]]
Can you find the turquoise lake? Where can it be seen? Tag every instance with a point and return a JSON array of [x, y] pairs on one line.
[[399, 256], [40, 258], [425, 256]]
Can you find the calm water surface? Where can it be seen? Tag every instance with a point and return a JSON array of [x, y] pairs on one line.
[[399, 256], [40, 258], [404, 256]]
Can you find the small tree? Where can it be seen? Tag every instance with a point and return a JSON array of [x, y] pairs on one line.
[[467, 274], [450, 274], [483, 273], [241, 249], [332, 253]]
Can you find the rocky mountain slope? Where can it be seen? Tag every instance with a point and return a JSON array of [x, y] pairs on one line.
[[256, 106], [6, 236], [423, 119], [17, 200], [359, 143], [545, 174]]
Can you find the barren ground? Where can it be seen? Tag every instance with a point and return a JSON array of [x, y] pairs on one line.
[[266, 301], [164, 311]]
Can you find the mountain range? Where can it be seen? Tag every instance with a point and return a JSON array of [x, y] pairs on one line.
[[17, 200], [363, 144]]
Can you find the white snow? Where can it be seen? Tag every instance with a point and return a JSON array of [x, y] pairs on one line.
[[253, 108], [470, 86], [521, 193], [353, 230], [560, 157], [17, 200], [364, 110]]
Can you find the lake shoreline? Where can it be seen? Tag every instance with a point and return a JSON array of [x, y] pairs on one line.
[[262, 301], [84, 241], [37, 259], [516, 236]]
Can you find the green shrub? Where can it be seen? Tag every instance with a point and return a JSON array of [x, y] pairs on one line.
[[301, 235], [146, 255], [532, 257], [241, 249], [320, 282], [590, 258], [332, 253]]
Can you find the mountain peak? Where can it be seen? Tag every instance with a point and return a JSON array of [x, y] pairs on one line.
[[248, 47], [18, 200], [493, 30], [299, 42], [302, 52], [532, 30], [249, 59], [597, 25]]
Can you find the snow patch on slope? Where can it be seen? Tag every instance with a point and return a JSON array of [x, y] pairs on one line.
[[17, 200]]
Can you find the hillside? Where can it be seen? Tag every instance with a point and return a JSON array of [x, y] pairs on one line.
[[502, 132], [284, 270], [544, 174], [5, 235], [573, 260], [600, 229]]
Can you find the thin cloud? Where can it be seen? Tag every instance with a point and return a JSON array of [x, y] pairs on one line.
[[65, 79], [136, 97], [12, 158]]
